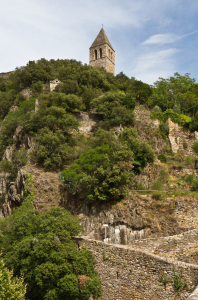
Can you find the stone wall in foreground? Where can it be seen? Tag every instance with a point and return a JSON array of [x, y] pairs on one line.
[[127, 273]]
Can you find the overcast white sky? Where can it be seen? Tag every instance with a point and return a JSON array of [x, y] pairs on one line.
[[152, 38]]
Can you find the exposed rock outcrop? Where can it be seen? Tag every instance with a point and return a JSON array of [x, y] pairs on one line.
[[22, 140], [14, 194], [181, 139]]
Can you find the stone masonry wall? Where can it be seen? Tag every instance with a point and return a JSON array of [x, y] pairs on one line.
[[107, 62], [127, 273]]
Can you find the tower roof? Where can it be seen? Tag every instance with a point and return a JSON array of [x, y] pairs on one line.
[[101, 39]]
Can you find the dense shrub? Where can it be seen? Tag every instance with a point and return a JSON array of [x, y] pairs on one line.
[[164, 130], [162, 158], [101, 174], [143, 153], [156, 108], [51, 149], [116, 109], [194, 186], [195, 147]]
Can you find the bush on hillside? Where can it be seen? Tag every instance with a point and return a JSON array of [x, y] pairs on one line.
[[143, 153], [162, 158], [101, 174], [116, 109], [51, 149], [195, 147]]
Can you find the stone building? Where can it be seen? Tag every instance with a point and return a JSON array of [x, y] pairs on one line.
[[54, 83], [101, 53]]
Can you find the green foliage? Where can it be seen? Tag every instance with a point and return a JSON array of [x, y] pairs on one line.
[[157, 195], [101, 174], [142, 151], [104, 255], [165, 280], [104, 137], [178, 92], [71, 102], [6, 101], [162, 158], [156, 109], [164, 130], [160, 180], [116, 109], [29, 194], [189, 179], [169, 113], [19, 99], [19, 158], [12, 121], [195, 147], [194, 186], [40, 246], [51, 149], [11, 288], [140, 91], [178, 283], [7, 170]]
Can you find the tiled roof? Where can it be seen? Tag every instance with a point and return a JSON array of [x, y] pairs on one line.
[[101, 39]]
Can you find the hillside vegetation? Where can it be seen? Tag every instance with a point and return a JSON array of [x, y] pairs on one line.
[[96, 168]]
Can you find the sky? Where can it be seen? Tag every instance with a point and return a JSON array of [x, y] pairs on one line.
[[151, 38]]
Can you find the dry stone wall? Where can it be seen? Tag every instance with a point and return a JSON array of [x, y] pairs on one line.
[[128, 273]]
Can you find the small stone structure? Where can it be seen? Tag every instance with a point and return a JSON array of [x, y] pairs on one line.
[[6, 74], [101, 53], [54, 83]]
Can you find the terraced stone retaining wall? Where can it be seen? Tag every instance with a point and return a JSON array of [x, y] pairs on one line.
[[128, 273]]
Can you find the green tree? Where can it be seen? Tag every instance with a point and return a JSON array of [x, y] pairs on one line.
[[11, 288], [51, 149], [116, 109], [143, 153], [101, 174], [41, 247], [178, 90], [140, 91]]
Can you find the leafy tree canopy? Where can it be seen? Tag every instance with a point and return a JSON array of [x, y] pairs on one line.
[[116, 107], [101, 174], [176, 90], [40, 246], [11, 288]]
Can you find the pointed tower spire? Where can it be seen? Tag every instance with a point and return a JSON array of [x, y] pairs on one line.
[[101, 53], [101, 39]]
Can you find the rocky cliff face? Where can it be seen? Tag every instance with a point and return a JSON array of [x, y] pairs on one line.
[[14, 194], [136, 217]]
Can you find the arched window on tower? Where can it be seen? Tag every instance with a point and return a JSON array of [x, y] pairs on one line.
[[100, 52], [95, 54], [109, 53]]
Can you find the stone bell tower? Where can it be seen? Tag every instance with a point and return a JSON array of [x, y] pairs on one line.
[[101, 53]]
